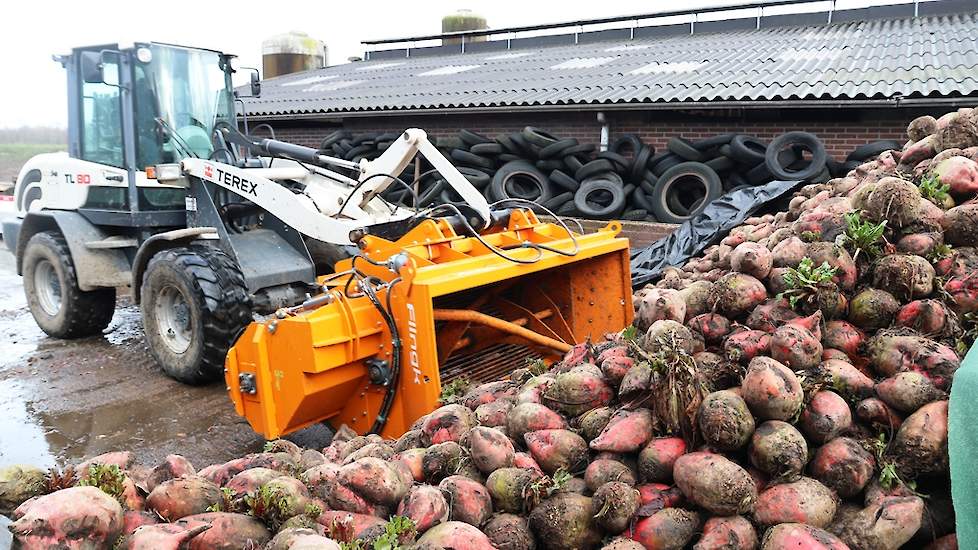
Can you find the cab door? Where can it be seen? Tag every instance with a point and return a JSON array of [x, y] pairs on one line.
[[100, 116]]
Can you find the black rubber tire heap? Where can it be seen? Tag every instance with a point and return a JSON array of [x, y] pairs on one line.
[[629, 181]]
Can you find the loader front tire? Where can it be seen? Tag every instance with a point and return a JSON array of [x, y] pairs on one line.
[[59, 307], [194, 304]]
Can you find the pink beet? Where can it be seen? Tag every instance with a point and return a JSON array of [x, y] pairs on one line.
[[165, 536], [843, 336], [743, 346], [448, 423], [926, 316], [712, 326], [656, 461], [770, 315], [796, 347], [78, 517], [626, 432], [173, 466], [426, 506]]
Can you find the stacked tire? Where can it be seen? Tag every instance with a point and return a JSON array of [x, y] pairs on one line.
[[629, 181]]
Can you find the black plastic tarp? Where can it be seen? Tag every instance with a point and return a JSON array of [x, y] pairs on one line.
[[700, 231]]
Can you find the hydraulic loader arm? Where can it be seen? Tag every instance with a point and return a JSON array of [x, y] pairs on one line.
[[375, 174], [320, 212]]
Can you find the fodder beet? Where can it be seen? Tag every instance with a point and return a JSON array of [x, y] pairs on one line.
[[735, 294], [908, 391], [802, 536], [771, 390], [577, 391], [873, 309], [603, 470], [627, 431], [531, 417], [557, 449], [565, 521], [961, 225], [177, 498], [893, 200], [847, 379], [778, 449], [884, 526], [715, 483], [892, 352], [877, 414], [751, 258], [448, 423], [454, 534], [489, 449], [712, 326], [508, 488], [667, 529], [425, 505], [509, 532], [655, 304], [906, 276], [925, 316], [724, 420], [229, 532], [803, 501], [770, 315], [66, 516], [727, 533], [920, 445], [745, 345], [843, 465], [826, 416], [613, 506], [657, 459], [468, 500], [795, 346]]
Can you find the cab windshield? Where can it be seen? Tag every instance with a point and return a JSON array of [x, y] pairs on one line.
[[180, 94]]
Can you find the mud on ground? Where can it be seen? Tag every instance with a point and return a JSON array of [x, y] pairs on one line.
[[65, 400]]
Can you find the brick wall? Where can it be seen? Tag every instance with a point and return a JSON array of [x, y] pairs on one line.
[[840, 129]]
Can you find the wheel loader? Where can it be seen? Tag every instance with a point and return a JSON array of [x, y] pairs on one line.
[[283, 268]]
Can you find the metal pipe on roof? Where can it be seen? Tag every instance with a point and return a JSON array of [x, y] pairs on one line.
[[604, 107], [615, 19]]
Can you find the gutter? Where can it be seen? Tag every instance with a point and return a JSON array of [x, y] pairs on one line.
[[966, 101]]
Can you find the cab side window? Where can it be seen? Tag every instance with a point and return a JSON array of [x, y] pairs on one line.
[[101, 124]]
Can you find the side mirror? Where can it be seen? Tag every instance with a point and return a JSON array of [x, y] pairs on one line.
[[255, 83], [91, 66]]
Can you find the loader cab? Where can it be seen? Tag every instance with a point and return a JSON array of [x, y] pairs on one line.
[[136, 107]]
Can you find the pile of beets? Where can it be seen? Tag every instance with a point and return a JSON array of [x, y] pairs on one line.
[[829, 335], [789, 389]]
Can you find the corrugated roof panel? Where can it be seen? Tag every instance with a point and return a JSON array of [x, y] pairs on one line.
[[915, 57]]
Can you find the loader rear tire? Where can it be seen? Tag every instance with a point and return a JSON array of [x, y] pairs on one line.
[[59, 307], [194, 305]]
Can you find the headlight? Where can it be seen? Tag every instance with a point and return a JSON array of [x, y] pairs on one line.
[[168, 173], [144, 55]]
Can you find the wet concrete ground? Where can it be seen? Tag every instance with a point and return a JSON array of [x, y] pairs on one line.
[[62, 401]]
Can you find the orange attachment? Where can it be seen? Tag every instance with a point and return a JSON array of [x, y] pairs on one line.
[[460, 311]]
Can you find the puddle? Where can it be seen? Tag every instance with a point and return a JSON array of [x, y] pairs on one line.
[[28, 442], [64, 400], [126, 326]]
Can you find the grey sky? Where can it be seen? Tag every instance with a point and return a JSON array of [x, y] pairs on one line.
[[33, 90]]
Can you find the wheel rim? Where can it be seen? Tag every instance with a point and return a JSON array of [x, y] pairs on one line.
[[173, 319], [47, 287]]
